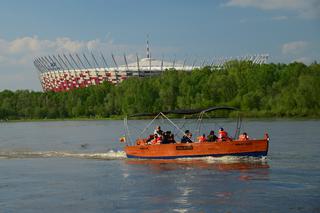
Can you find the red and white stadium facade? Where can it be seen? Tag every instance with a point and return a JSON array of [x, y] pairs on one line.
[[63, 72]]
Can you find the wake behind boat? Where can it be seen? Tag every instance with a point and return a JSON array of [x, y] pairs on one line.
[[151, 148]]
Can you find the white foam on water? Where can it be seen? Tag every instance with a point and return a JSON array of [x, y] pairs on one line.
[[227, 159], [109, 155]]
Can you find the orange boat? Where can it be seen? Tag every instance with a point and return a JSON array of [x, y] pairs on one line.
[[175, 149]]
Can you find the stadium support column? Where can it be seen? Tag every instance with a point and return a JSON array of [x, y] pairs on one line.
[[126, 62], [96, 62], [81, 74], [53, 78], [74, 61], [77, 65], [162, 62], [117, 68], [42, 61], [109, 71], [194, 63], [56, 75], [90, 66], [184, 63], [66, 77], [174, 62], [148, 49], [73, 77], [203, 63], [64, 63], [138, 65], [150, 65], [212, 63], [39, 66], [39, 74]]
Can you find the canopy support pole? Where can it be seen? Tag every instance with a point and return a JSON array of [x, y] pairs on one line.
[[172, 123], [127, 132], [149, 125]]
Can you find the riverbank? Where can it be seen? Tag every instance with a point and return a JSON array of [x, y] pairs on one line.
[[118, 118]]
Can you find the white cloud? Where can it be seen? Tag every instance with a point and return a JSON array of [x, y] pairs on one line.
[[305, 60], [16, 56], [295, 47], [304, 8]]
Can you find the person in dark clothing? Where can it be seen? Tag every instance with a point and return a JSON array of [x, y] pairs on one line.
[[212, 137], [186, 137], [166, 136]]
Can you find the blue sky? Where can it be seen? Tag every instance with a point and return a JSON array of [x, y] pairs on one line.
[[289, 30]]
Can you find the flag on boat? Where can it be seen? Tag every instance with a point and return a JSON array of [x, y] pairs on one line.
[[123, 139]]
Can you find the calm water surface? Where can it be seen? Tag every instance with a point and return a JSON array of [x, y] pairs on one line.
[[79, 166]]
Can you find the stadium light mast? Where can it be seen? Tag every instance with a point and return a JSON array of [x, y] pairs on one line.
[[138, 65], [174, 62], [125, 61], [148, 48], [162, 62]]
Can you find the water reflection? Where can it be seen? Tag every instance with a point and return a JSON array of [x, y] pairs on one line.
[[165, 165], [183, 184]]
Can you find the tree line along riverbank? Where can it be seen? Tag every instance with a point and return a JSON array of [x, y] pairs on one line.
[[268, 90]]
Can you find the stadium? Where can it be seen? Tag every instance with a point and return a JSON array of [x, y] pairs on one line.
[[64, 72]]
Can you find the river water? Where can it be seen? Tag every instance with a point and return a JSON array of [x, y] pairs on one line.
[[79, 166]]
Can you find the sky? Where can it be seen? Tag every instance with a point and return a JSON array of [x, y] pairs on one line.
[[287, 30]]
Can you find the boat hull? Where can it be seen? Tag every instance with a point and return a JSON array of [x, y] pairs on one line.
[[254, 148]]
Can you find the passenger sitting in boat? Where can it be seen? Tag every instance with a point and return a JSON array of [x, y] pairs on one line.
[[186, 137], [158, 131], [202, 138], [150, 138], [243, 137], [212, 137], [166, 137], [223, 135], [171, 138], [157, 139]]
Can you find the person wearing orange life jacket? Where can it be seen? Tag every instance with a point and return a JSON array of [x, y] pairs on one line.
[[243, 137], [156, 139], [223, 135], [202, 138]]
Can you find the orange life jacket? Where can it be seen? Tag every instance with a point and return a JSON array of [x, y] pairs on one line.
[[223, 134], [243, 137], [202, 139], [157, 140]]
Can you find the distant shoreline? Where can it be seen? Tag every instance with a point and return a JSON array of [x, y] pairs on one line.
[[120, 118]]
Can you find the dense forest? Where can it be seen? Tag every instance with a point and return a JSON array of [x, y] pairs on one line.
[[268, 90]]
